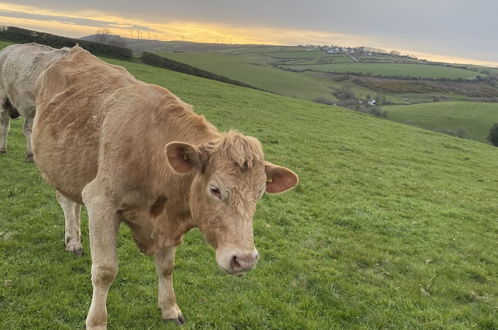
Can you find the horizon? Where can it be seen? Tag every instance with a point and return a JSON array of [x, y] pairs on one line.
[[184, 23]]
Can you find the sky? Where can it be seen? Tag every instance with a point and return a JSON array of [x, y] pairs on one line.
[[457, 31]]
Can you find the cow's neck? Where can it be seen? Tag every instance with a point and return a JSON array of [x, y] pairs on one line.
[[167, 216]]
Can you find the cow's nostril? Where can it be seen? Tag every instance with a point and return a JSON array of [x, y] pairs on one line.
[[234, 263]]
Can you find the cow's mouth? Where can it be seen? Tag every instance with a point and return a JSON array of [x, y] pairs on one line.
[[235, 261]]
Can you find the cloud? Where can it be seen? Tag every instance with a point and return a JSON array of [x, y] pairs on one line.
[[386, 24], [70, 20]]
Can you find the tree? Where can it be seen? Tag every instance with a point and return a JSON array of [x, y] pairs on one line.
[[344, 93], [493, 135], [380, 99]]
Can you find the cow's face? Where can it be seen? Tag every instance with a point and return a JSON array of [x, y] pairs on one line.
[[231, 177]]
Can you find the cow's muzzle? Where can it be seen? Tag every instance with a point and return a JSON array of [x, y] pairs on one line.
[[235, 261]]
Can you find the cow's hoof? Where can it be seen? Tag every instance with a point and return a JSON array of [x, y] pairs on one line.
[[98, 327], [3, 151], [29, 158], [78, 251], [180, 320]]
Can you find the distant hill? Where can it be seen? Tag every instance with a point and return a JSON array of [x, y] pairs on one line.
[[141, 45], [19, 35], [314, 73]]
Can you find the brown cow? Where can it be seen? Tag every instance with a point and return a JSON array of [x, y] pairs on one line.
[[107, 140]]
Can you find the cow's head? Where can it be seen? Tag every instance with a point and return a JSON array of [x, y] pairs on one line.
[[231, 176]]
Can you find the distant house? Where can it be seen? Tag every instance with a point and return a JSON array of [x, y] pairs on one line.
[[372, 102]]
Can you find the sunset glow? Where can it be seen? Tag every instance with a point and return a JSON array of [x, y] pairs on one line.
[[78, 24]]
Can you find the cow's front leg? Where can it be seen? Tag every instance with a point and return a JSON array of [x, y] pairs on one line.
[[28, 127], [4, 128], [72, 234], [103, 225], [165, 262]]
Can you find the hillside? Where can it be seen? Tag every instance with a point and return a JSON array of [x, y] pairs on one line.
[[473, 120], [389, 70], [316, 75], [391, 226], [14, 34], [256, 74], [141, 45]]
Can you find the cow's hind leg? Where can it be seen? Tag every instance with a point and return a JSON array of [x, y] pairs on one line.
[[103, 223], [72, 234], [4, 128], [28, 126], [165, 261]]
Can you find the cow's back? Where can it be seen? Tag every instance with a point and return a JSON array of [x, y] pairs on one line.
[[70, 96], [20, 66]]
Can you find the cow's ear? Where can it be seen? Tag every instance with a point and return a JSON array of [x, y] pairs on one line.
[[279, 179], [183, 157]]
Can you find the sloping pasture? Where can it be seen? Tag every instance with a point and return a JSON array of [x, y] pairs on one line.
[[391, 226], [471, 118]]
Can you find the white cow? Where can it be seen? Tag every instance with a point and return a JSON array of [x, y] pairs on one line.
[[20, 65]]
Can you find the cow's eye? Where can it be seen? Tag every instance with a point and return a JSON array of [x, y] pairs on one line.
[[215, 191]]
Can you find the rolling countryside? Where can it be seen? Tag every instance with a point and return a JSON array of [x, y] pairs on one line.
[[370, 201], [391, 226], [353, 80], [255, 72]]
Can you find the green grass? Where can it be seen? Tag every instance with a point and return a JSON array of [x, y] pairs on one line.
[[392, 70], [4, 44], [321, 59], [296, 55], [255, 74], [475, 118], [262, 49], [391, 227], [259, 67]]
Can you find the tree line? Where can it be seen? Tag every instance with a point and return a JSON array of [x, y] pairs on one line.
[[19, 35]]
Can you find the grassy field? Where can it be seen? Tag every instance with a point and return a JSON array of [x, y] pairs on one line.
[[263, 66], [255, 74], [391, 227], [391, 70], [475, 118], [304, 58], [295, 55], [4, 44]]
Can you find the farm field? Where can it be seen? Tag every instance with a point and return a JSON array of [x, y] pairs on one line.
[[303, 58], [255, 74], [262, 67], [390, 70], [391, 226], [474, 118]]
